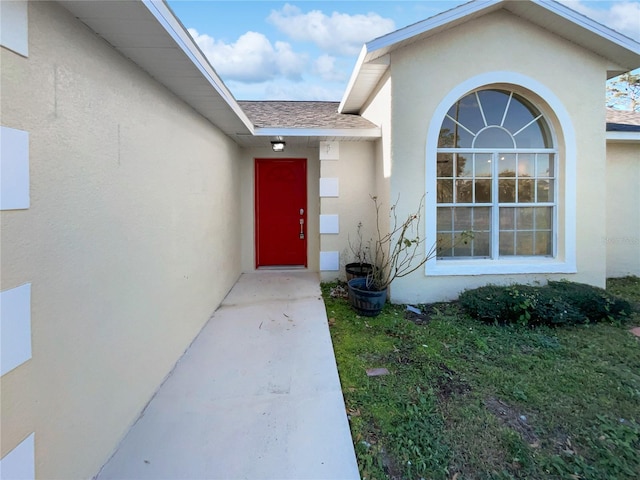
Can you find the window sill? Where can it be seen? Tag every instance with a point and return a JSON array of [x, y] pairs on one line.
[[498, 267]]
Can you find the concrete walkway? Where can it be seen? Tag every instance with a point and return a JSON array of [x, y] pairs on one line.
[[257, 395]]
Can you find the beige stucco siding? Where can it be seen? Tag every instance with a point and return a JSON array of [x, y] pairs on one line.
[[246, 220], [378, 111], [423, 75], [622, 236], [130, 242], [356, 173]]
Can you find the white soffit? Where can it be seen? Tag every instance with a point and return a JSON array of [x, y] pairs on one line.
[[148, 33], [623, 137], [622, 52]]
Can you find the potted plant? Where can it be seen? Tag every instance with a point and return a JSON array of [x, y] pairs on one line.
[[393, 254], [360, 267]]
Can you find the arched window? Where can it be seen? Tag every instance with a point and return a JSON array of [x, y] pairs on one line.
[[496, 177]]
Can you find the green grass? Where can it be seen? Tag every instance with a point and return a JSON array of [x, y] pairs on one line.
[[466, 400]]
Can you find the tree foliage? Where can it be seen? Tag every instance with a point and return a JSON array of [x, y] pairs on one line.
[[624, 91]]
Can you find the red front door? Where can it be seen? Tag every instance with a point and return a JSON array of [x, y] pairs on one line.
[[281, 212]]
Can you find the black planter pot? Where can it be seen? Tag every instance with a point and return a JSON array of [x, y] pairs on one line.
[[366, 302], [357, 270]]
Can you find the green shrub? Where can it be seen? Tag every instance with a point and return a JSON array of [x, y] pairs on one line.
[[558, 303], [595, 303], [523, 304]]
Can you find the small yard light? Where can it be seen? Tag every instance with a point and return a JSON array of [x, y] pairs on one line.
[[278, 145]]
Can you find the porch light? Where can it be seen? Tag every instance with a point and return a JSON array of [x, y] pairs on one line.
[[278, 145]]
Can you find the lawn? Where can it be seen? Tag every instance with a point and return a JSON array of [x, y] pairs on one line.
[[467, 400]]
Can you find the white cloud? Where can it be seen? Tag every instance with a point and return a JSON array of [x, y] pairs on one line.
[[281, 89], [325, 67], [622, 16], [339, 33], [252, 58], [307, 91]]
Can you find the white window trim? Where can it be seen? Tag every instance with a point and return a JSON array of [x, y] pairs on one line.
[[565, 262]]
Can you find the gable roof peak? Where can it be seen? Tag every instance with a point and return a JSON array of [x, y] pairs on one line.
[[550, 15]]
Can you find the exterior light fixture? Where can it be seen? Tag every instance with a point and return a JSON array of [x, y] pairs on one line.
[[278, 145]]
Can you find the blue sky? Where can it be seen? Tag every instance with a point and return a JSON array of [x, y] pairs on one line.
[[306, 50]]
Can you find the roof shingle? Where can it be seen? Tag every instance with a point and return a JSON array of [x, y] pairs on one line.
[[300, 114], [622, 121]]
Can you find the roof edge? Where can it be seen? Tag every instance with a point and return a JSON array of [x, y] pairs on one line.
[[319, 132], [386, 43], [174, 27], [353, 78], [623, 137]]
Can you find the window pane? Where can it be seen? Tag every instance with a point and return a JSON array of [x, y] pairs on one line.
[[446, 139], [463, 248], [445, 164], [543, 244], [483, 164], [524, 218], [494, 137], [467, 113], [545, 191], [507, 191], [481, 245], [481, 219], [445, 245], [533, 136], [506, 243], [545, 165], [445, 191], [462, 219], [524, 243], [464, 191], [525, 191], [526, 165], [494, 103], [507, 218], [520, 113], [464, 232], [506, 165], [483, 191], [444, 219], [464, 166], [543, 218]]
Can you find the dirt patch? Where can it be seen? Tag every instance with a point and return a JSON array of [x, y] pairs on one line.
[[450, 384], [513, 419], [422, 316]]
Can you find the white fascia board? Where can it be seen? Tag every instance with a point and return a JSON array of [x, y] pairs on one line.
[[354, 78], [623, 137], [431, 23], [318, 132], [178, 32], [589, 24]]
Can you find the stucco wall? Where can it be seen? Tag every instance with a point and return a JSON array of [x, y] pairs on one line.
[[622, 237], [424, 73], [356, 173], [246, 221], [378, 111], [130, 242]]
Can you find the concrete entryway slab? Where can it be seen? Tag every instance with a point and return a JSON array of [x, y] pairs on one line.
[[257, 395]]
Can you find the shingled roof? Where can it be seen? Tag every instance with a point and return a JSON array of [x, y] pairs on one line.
[[622, 121], [303, 115]]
